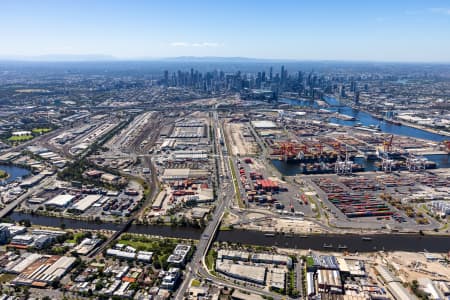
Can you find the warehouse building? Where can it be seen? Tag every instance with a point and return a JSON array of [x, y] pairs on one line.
[[310, 286], [60, 201], [264, 124], [31, 181], [276, 279], [83, 204], [182, 174], [329, 281], [249, 273], [157, 204], [275, 259], [394, 285], [44, 270], [233, 255], [5, 234]]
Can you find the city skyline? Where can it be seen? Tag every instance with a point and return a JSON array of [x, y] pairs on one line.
[[405, 31]]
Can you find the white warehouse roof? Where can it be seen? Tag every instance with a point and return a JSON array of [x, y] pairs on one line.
[[86, 202], [60, 200]]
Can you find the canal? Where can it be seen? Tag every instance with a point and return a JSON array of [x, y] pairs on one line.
[[388, 242]]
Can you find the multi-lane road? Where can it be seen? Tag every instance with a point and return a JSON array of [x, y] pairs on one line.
[[225, 193]]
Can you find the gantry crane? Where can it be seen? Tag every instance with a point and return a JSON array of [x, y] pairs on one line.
[[387, 144]]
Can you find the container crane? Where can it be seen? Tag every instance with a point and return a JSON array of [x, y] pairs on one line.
[[387, 144]]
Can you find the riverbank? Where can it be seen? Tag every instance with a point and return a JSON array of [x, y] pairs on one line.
[[354, 242], [3, 175], [13, 172], [402, 122]]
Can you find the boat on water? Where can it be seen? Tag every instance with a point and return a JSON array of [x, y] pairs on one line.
[[375, 127], [393, 122], [328, 245], [269, 234], [304, 236], [342, 247], [366, 238]]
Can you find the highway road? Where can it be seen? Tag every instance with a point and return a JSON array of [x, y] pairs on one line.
[[10, 206], [197, 267]]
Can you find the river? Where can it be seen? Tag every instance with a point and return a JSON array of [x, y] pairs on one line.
[[388, 242], [14, 172], [315, 242], [367, 119], [441, 160]]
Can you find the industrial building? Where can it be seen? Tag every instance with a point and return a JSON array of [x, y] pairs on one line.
[[263, 124], [274, 259], [235, 255], [181, 174], [329, 281], [4, 234], [249, 273], [310, 284], [83, 204], [276, 279], [60, 201], [260, 258], [157, 204], [39, 270], [32, 181], [394, 284]]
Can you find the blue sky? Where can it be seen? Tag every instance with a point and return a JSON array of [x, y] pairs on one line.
[[382, 30]]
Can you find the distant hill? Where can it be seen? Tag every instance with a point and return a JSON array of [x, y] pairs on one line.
[[216, 59], [61, 57]]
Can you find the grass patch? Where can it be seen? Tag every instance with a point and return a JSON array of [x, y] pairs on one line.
[[195, 283], [77, 237], [20, 138], [40, 130], [148, 243], [226, 228], [309, 261], [4, 278], [3, 174], [210, 259], [317, 208], [445, 227], [161, 247], [236, 185]]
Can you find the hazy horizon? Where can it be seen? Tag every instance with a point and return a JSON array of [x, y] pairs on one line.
[[109, 58], [382, 31]]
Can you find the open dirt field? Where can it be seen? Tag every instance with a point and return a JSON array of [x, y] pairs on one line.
[[239, 144]]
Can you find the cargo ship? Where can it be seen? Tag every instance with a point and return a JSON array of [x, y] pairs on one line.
[[396, 154], [313, 158], [325, 168], [393, 122], [401, 165]]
